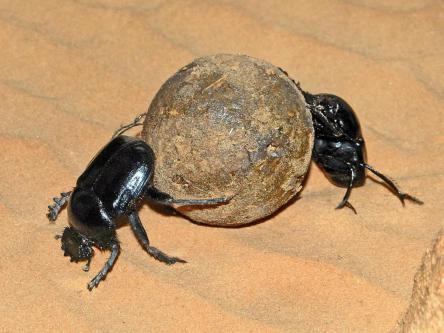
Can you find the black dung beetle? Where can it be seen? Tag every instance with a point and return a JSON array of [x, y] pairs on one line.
[[339, 147], [117, 178]]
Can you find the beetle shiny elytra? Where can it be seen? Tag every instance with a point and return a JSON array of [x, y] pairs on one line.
[[113, 183]]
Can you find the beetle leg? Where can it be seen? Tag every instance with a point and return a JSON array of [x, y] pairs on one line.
[[166, 199], [324, 121], [344, 201], [401, 195], [142, 236], [86, 267], [319, 116], [136, 122], [324, 161], [115, 250], [53, 211]]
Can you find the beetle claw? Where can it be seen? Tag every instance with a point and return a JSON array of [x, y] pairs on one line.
[[406, 196], [347, 204], [163, 257], [92, 284]]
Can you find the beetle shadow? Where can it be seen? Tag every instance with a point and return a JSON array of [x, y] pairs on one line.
[[170, 211]]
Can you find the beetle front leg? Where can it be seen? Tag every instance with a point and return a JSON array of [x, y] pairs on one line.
[[401, 195], [53, 211], [142, 236], [86, 267], [345, 201], [115, 250], [166, 199], [342, 168]]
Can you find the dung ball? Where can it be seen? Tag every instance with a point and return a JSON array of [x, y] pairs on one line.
[[230, 126]]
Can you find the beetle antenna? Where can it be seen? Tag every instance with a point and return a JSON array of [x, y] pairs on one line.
[[136, 122], [395, 189]]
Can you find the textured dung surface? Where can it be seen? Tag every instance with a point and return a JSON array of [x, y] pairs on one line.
[[230, 125]]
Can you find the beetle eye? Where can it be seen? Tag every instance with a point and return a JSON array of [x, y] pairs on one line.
[[76, 246]]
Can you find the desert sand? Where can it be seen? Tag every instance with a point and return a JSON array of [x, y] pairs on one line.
[[73, 71]]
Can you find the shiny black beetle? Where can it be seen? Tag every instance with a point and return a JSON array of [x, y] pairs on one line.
[[339, 147], [114, 182]]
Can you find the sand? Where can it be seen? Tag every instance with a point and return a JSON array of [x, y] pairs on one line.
[[73, 71]]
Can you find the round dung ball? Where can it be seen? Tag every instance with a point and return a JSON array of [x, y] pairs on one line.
[[230, 126]]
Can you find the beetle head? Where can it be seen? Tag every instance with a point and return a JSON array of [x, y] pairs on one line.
[[76, 246]]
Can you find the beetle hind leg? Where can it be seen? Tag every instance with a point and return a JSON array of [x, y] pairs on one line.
[[395, 189], [136, 122], [142, 236], [59, 203], [166, 199]]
